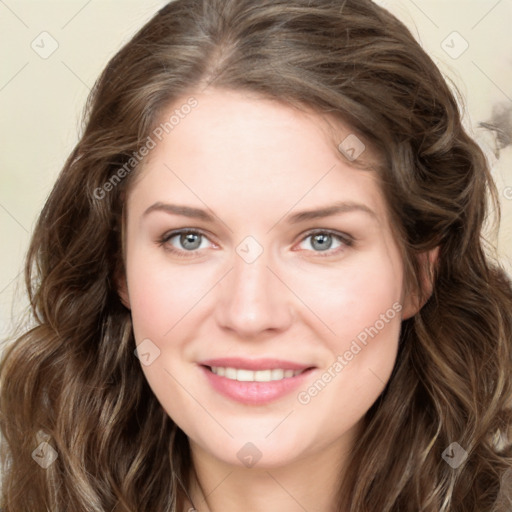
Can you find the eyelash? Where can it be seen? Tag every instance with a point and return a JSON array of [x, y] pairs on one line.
[[345, 239]]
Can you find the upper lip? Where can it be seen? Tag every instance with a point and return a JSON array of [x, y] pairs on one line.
[[255, 364]]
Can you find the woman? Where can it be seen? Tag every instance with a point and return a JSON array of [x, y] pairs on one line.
[[259, 282]]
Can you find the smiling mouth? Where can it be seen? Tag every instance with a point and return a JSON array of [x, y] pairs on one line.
[[243, 375], [254, 381]]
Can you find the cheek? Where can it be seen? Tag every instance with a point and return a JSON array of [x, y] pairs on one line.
[[162, 294], [163, 301], [361, 306], [353, 296]]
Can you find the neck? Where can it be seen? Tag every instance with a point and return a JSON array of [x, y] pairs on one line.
[[311, 483]]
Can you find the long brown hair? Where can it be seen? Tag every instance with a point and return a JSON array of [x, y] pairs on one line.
[[72, 384]]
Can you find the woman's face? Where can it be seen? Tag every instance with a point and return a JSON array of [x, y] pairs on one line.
[[253, 247]]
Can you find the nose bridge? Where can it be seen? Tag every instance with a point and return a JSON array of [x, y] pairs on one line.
[[252, 299]]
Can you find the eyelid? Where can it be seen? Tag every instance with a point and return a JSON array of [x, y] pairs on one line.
[[343, 236], [174, 232]]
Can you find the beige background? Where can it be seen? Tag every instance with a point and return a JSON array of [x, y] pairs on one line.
[[42, 96]]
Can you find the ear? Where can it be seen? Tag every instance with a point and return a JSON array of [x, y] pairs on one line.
[[120, 272], [122, 290], [414, 300]]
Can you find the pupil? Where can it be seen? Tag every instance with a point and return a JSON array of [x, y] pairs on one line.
[[190, 240], [322, 242]]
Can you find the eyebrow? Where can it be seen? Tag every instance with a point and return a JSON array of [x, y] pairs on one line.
[[185, 211], [328, 211], [320, 213]]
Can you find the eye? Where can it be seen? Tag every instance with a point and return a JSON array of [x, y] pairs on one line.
[[326, 242], [189, 241], [185, 240]]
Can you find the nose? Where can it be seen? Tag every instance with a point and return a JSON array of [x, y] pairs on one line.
[[252, 300]]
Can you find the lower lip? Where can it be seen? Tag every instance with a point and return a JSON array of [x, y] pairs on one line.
[[254, 393]]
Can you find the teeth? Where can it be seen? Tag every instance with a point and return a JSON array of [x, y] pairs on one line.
[[276, 374], [254, 376]]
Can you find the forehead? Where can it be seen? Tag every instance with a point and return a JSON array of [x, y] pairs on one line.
[[234, 147]]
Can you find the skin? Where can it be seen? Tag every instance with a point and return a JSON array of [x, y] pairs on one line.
[[252, 163]]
